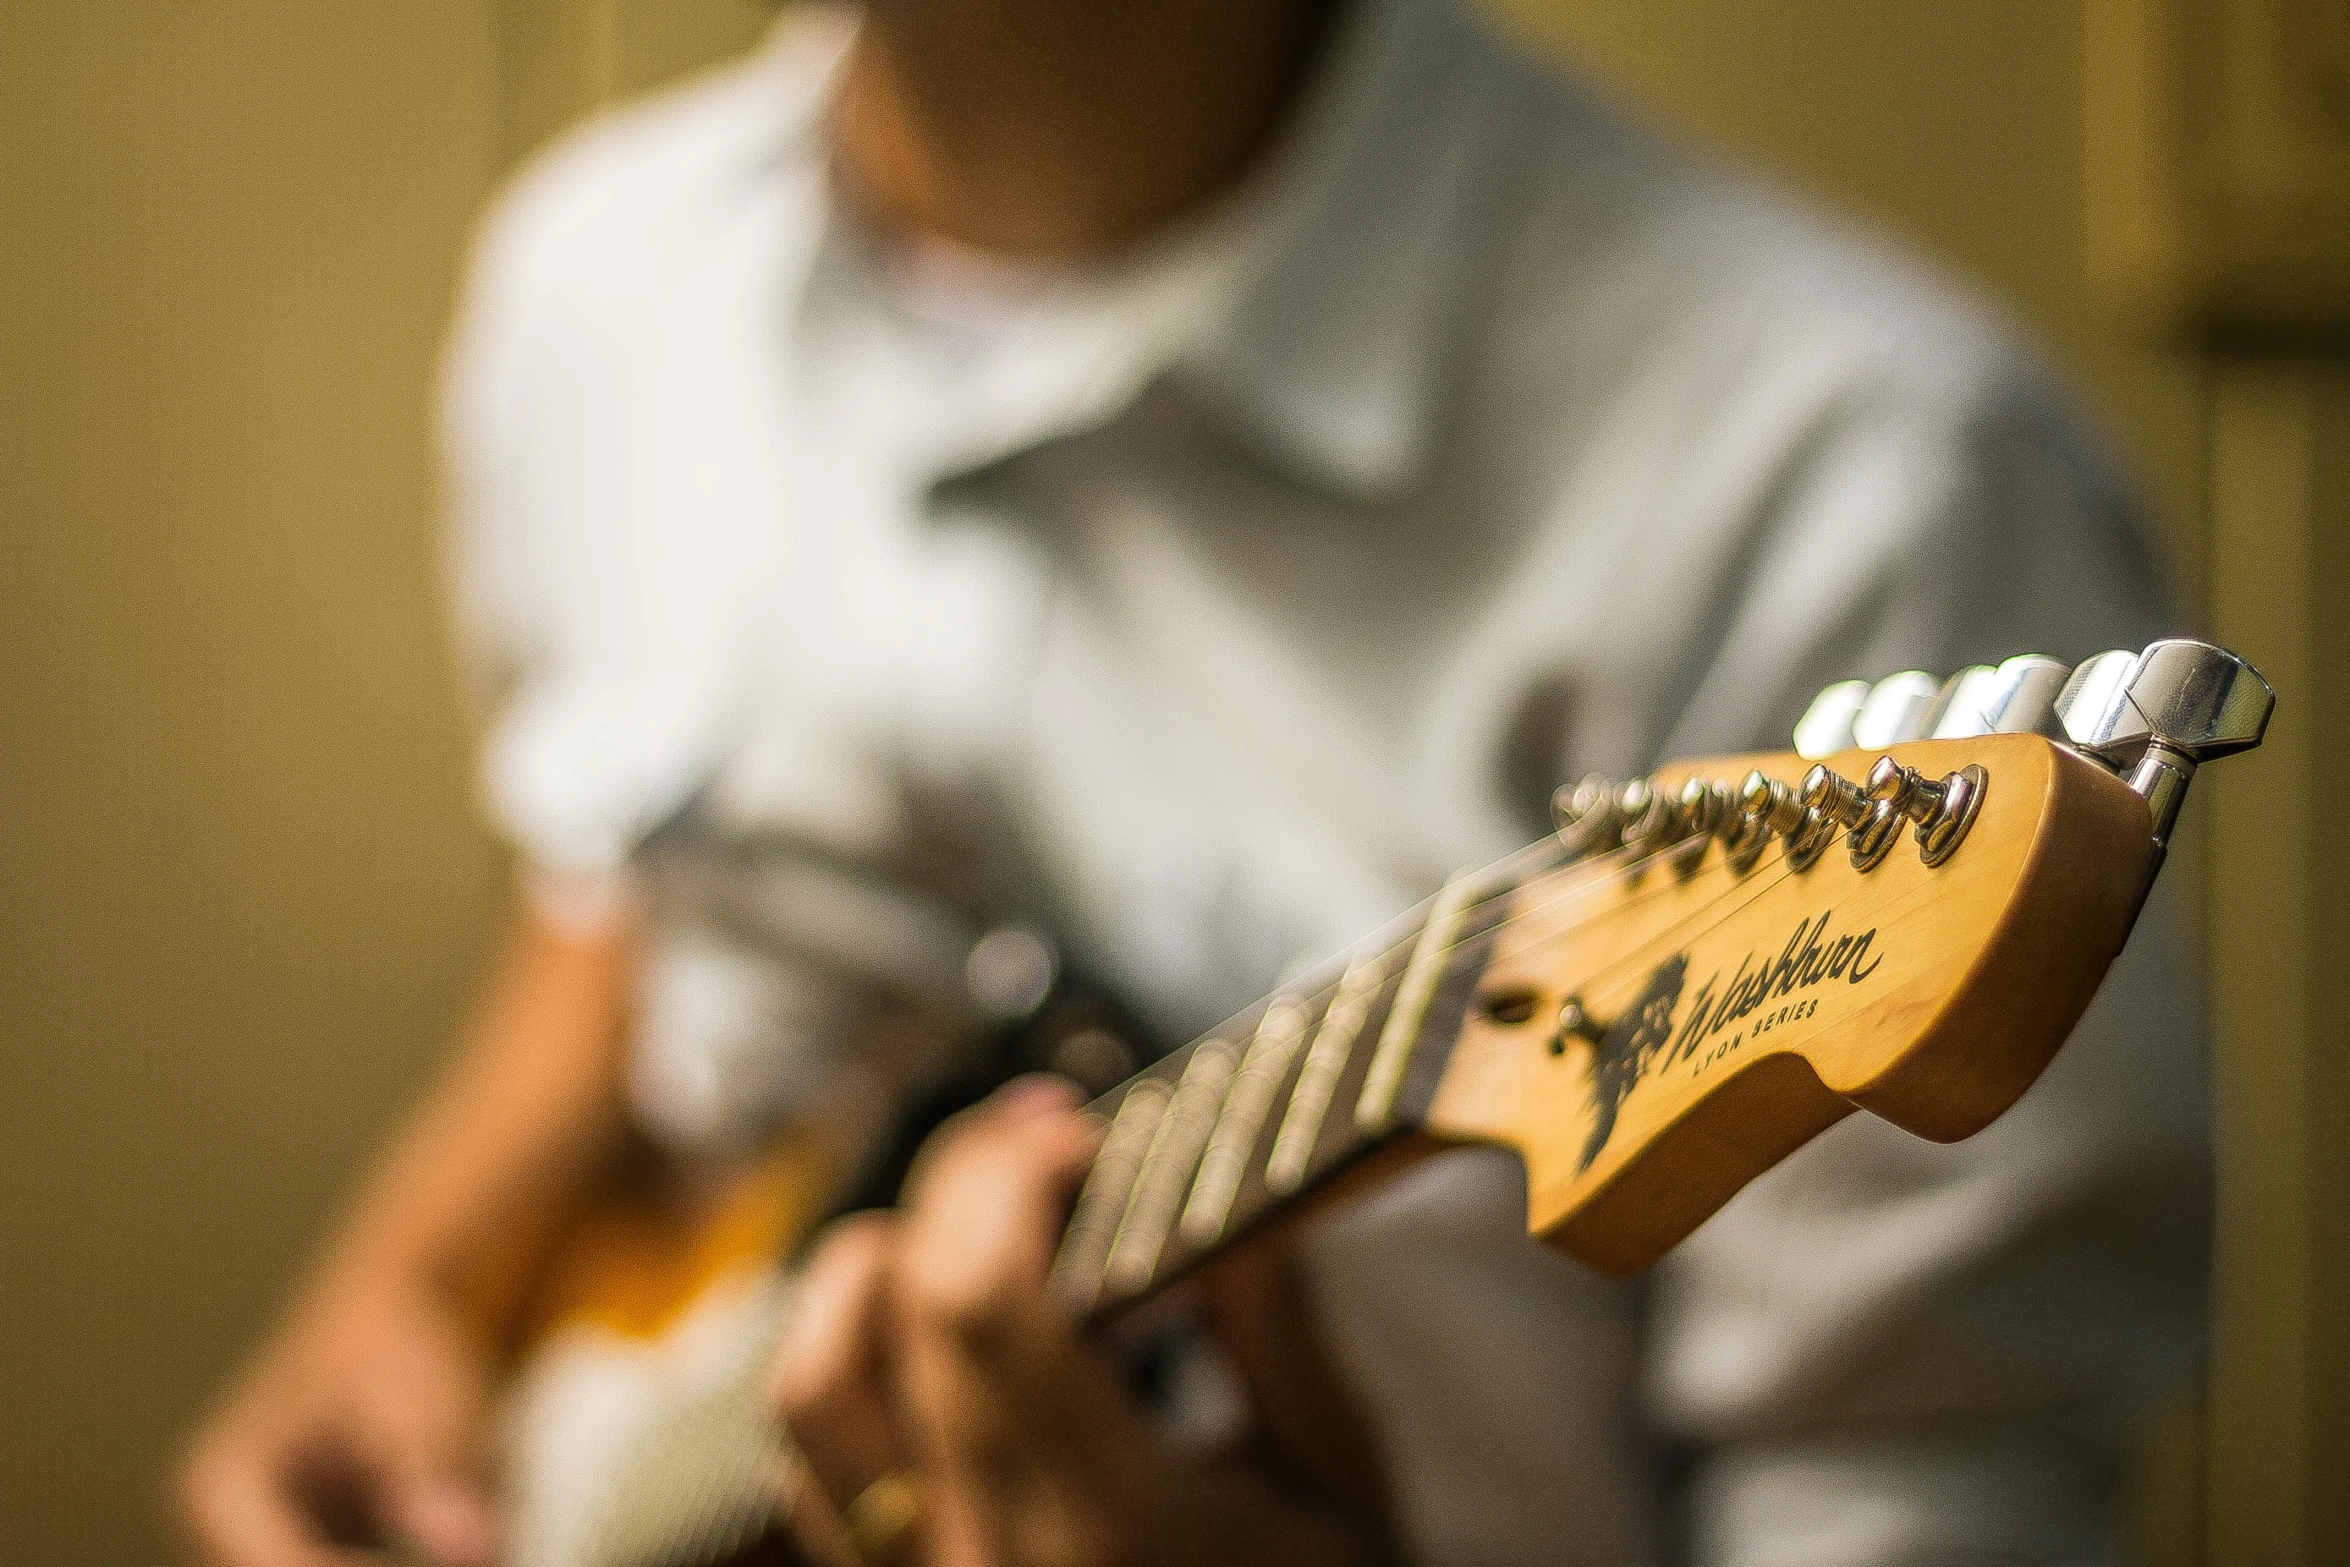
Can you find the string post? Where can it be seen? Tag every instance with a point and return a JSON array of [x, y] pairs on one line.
[[1589, 817], [1743, 837], [1655, 821], [1942, 809], [1777, 810], [1869, 828], [1835, 797], [1702, 810]]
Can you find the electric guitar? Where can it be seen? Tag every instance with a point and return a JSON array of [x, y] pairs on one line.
[[1697, 973]]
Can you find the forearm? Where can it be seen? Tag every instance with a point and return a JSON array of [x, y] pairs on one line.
[[525, 1116]]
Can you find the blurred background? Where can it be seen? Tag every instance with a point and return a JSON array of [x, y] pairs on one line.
[[242, 893]]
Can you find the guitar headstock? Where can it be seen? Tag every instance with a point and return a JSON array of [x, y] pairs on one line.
[[1908, 913]]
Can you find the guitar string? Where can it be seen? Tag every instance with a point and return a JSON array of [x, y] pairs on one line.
[[698, 1521], [1576, 891], [1582, 888], [1608, 870], [1751, 887], [1317, 997]]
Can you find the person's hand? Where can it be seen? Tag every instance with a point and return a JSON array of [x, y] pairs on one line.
[[926, 1361], [356, 1427]]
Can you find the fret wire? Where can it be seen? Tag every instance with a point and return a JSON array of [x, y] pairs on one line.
[[1224, 1166], [1375, 1110], [1147, 1219], [1167, 1168], [1317, 1080], [1085, 1247]]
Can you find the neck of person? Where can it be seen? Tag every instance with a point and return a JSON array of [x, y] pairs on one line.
[[1056, 132]]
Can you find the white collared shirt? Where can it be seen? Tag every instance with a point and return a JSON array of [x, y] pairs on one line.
[[1233, 594]]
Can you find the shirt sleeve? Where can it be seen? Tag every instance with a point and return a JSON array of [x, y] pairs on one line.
[[1888, 1350], [597, 722]]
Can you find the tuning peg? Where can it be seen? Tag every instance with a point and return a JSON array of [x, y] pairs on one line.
[[1835, 797], [1869, 827], [1774, 808], [2095, 700], [1770, 803], [1743, 838], [1957, 713], [2158, 715], [1654, 820], [2023, 700], [1589, 817], [2198, 700], [1826, 726], [1896, 710], [1703, 808], [1943, 811]]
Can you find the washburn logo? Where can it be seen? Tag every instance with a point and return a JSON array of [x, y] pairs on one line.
[[1643, 1039]]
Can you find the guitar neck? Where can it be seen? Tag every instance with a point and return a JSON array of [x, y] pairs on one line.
[[1257, 1116]]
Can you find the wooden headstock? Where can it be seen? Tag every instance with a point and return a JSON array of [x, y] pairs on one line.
[[1705, 968], [1651, 1033]]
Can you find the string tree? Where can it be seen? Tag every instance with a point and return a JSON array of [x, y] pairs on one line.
[[1575, 1022]]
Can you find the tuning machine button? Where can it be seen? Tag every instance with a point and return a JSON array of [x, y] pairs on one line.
[[1943, 811], [1897, 709], [1826, 726], [2156, 716], [2023, 698]]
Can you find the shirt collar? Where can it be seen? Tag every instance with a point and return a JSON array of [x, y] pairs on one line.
[[1314, 307], [1336, 353]]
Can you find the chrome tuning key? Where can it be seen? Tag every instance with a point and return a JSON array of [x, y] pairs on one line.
[[1826, 726], [1943, 811], [2155, 716], [2022, 699], [1898, 709]]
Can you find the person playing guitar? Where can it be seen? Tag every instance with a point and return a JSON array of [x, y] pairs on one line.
[[1187, 476]]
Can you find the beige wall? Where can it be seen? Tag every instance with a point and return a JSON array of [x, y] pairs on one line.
[[240, 892]]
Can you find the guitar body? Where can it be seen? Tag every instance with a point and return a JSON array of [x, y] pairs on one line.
[[636, 1429], [654, 1301]]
